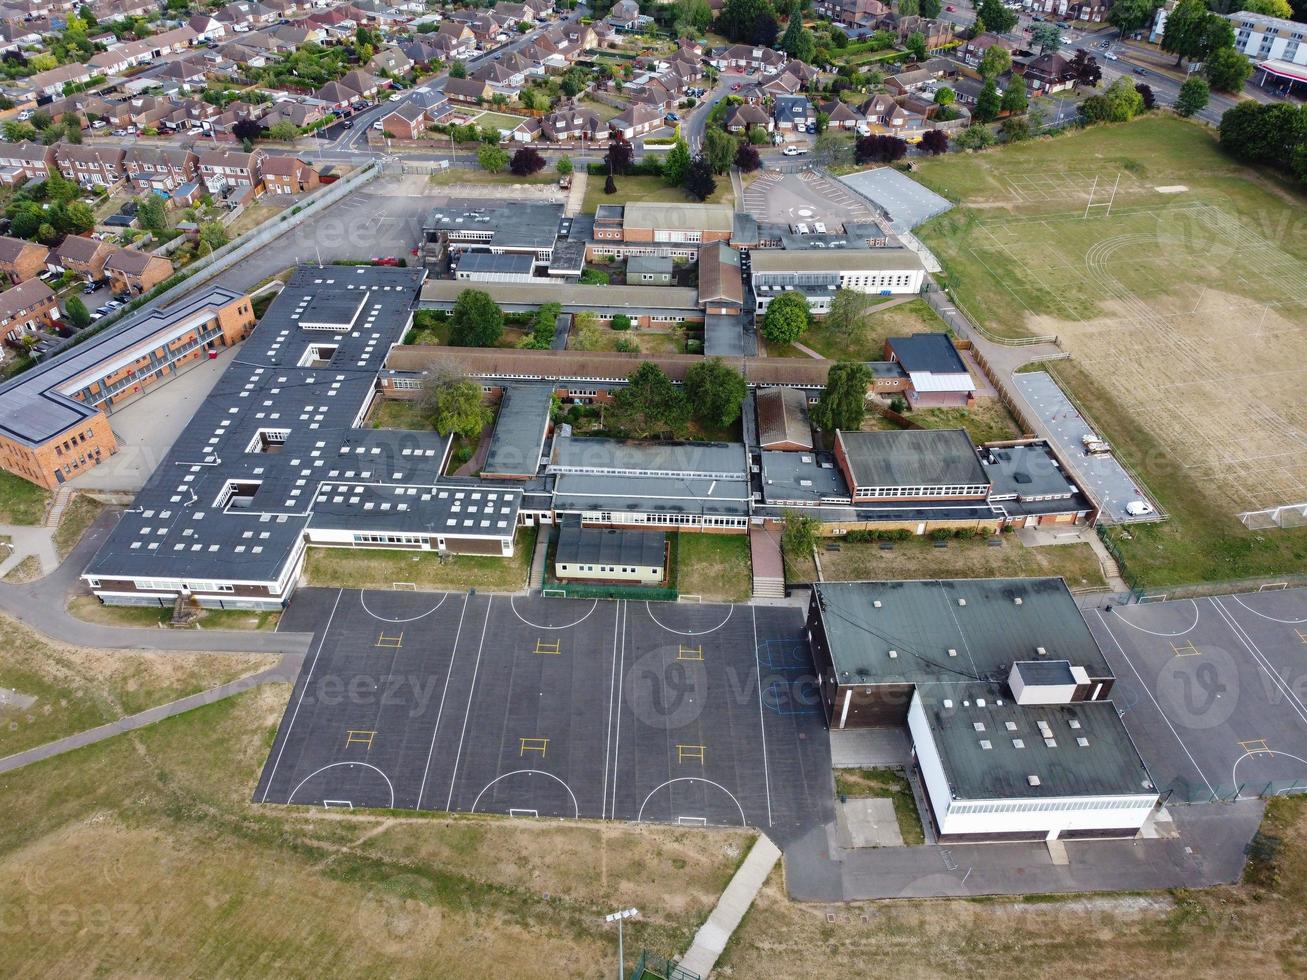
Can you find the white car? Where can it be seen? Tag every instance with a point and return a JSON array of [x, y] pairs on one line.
[[1110, 56], [793, 151], [396, 97], [1138, 508]]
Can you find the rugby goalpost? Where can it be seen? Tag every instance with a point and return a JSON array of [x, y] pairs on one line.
[[1284, 515], [1110, 201]]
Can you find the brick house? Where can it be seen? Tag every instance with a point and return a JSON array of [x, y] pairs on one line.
[[26, 161], [163, 168], [80, 255], [636, 121], [408, 122], [288, 175], [21, 260], [469, 90], [90, 165], [1049, 73], [27, 307], [135, 272], [232, 172]]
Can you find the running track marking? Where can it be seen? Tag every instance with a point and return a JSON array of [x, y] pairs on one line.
[[453, 653], [540, 626], [1134, 670], [729, 610], [410, 619], [1234, 779], [1286, 622], [295, 714], [332, 765], [639, 817], [517, 772], [1142, 629]]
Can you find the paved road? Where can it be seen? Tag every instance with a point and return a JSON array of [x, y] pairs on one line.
[[42, 605]]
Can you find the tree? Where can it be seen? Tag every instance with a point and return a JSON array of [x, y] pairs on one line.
[[1121, 100], [649, 405], [563, 166], [610, 185], [692, 16], [46, 234], [1193, 96], [246, 129], [78, 217], [719, 147], [699, 182], [284, 131], [492, 158], [995, 61], [77, 312], [747, 158], [843, 402], [619, 156], [786, 318], [806, 48], [477, 320], [1271, 8], [847, 308], [799, 537], [739, 18], [1015, 129], [715, 392], [935, 142], [1272, 134], [944, 96], [1128, 16], [930, 8], [915, 45], [976, 138], [151, 214], [1146, 93], [1093, 109], [1192, 31], [1227, 70], [527, 161], [996, 17], [1085, 69], [16, 132], [1047, 37], [879, 149], [453, 405], [213, 235], [676, 164], [1015, 101], [790, 39], [766, 29], [988, 102], [908, 8], [457, 69]]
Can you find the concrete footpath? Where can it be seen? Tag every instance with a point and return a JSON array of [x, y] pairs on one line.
[[714, 934]]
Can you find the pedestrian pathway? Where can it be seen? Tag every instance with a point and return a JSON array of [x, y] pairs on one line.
[[537, 579], [714, 934], [27, 540]]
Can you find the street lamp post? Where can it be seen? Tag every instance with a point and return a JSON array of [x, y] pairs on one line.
[[619, 918]]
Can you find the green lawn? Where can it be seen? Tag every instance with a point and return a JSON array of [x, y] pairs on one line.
[[398, 413], [879, 784], [641, 188], [380, 568], [866, 341], [21, 502], [714, 566], [77, 517], [466, 175]]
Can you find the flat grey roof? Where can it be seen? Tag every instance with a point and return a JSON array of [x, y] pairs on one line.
[[519, 224], [1026, 471], [520, 427], [806, 476], [905, 202], [651, 264], [651, 495], [978, 619], [1091, 752], [607, 546], [514, 262], [708, 460], [912, 458], [930, 352], [772, 260], [443, 293]]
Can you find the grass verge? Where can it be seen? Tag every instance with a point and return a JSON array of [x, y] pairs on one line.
[[644, 189], [77, 517], [715, 566], [379, 568], [21, 502]]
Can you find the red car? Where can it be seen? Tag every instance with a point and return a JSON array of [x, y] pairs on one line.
[[735, 87], [951, 9], [388, 260]]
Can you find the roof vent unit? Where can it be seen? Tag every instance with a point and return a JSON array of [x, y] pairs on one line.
[[1041, 651], [894, 655], [962, 602], [1032, 779], [1016, 601], [980, 702], [952, 652], [948, 702], [875, 604]]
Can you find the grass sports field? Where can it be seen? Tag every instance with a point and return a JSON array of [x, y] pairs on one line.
[[1184, 306]]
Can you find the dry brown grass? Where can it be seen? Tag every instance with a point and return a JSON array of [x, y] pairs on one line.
[[27, 570], [714, 566], [380, 568]]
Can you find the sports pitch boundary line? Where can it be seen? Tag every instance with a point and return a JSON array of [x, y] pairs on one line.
[[440, 711], [453, 778]]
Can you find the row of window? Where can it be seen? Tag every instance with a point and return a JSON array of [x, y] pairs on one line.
[[606, 568], [1048, 806], [389, 539], [974, 490]]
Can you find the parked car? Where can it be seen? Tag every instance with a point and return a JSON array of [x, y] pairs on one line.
[[1138, 508], [387, 260], [794, 151], [1110, 56], [89, 288], [25, 115], [377, 125], [672, 117], [1141, 71], [395, 97], [99, 124]]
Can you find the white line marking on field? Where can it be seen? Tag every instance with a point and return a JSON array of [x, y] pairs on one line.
[[440, 711], [471, 692]]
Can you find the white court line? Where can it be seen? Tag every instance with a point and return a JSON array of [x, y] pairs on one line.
[[1243, 637], [621, 677], [1147, 690], [1234, 779], [1286, 622], [517, 772], [440, 711], [692, 779], [542, 627], [467, 713], [729, 610], [762, 724], [1142, 629], [333, 765], [612, 680], [410, 619], [307, 680]]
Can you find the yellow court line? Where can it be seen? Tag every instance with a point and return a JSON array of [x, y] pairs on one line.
[[690, 753], [526, 745], [1188, 650], [1255, 745], [390, 642], [553, 647], [689, 653], [356, 736], [1301, 635]]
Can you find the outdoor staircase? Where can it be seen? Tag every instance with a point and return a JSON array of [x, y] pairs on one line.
[[768, 567], [62, 498]]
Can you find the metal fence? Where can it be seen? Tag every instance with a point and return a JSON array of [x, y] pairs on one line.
[[1183, 792], [651, 966], [580, 590]]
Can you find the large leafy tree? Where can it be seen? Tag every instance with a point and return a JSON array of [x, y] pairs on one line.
[[747, 158], [1227, 70], [786, 318], [477, 320], [1272, 134], [988, 102], [996, 17], [492, 158], [715, 392], [699, 181], [619, 156], [676, 164], [1015, 100], [1271, 8], [739, 18], [719, 147], [1121, 101], [995, 61], [77, 311], [1194, 94], [151, 213], [843, 403], [1131, 15], [454, 405], [1046, 37], [649, 405], [526, 161], [790, 39], [1194, 32]]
